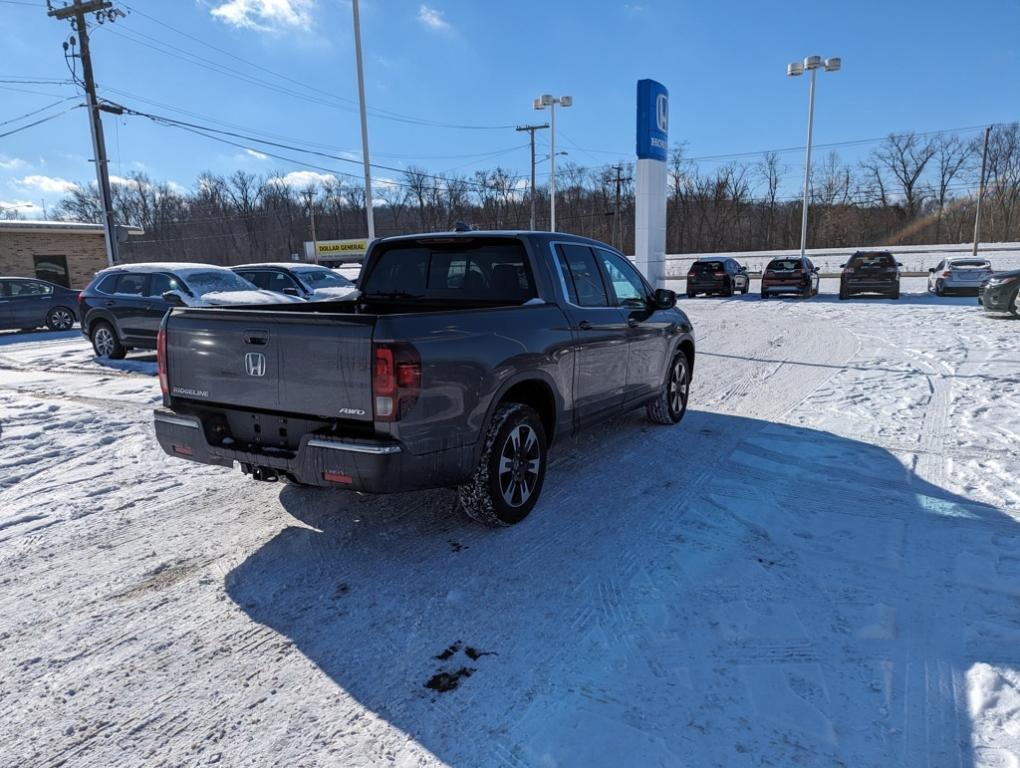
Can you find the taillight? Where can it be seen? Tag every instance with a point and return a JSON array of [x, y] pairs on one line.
[[164, 381], [81, 297], [947, 273], [396, 380], [719, 274]]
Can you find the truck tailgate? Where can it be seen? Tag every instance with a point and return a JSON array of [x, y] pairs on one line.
[[300, 363]]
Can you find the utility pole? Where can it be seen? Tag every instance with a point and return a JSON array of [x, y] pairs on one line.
[[104, 11], [531, 130], [310, 198], [369, 211], [981, 192], [616, 208]]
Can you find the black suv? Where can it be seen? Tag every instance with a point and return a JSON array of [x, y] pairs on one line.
[[308, 281], [26, 303], [793, 274], [717, 276], [999, 292], [870, 272], [122, 307]]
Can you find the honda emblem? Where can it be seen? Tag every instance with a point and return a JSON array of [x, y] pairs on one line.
[[255, 364]]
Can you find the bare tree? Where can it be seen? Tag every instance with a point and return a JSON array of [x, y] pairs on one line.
[[951, 158], [905, 156]]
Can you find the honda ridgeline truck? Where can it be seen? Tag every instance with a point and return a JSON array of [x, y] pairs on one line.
[[460, 360]]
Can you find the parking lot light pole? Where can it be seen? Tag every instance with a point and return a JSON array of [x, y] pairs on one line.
[[543, 101], [795, 69]]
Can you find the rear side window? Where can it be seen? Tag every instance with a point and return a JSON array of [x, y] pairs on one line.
[[107, 284], [581, 274], [160, 284], [472, 270], [28, 288], [784, 265], [131, 284]]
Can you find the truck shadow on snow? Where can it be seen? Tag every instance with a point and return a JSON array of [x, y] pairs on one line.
[[731, 591]]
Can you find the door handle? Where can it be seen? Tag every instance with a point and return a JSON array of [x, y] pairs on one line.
[[632, 323], [584, 325], [257, 338]]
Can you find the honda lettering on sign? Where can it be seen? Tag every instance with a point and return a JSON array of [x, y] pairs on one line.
[[652, 120]]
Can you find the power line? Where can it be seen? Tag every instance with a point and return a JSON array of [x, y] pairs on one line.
[[37, 111], [325, 98], [208, 130], [38, 122]]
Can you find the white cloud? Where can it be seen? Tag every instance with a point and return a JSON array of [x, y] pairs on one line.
[[634, 8], [48, 184], [11, 163], [301, 179], [120, 181], [432, 18], [257, 155], [265, 15]]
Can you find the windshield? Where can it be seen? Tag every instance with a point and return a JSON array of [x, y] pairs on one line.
[[323, 278], [464, 269], [216, 281]]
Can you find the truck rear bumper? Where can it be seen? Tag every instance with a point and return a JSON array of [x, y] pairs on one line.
[[369, 466]]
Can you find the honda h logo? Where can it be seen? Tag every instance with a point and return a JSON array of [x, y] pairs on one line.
[[662, 112], [255, 364]]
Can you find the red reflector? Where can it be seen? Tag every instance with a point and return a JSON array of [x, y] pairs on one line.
[[337, 477], [947, 273], [384, 382], [164, 382], [183, 450]]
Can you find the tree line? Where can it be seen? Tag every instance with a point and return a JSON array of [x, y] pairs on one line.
[[910, 189]]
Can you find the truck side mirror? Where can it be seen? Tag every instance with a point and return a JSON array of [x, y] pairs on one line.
[[932, 270], [664, 298]]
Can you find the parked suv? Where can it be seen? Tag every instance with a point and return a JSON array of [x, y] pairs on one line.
[[308, 281], [1001, 292], [792, 274], [122, 307], [717, 276], [870, 272], [26, 303], [959, 274]]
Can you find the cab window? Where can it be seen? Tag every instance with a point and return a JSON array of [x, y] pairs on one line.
[[584, 281], [28, 288], [626, 283]]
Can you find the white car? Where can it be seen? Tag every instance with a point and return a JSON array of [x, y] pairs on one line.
[[311, 282], [958, 274]]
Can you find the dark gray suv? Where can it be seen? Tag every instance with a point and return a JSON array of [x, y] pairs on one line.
[[26, 303]]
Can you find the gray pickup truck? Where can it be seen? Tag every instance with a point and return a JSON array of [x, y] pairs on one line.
[[461, 359]]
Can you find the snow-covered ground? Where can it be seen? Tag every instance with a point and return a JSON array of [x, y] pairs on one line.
[[819, 567]]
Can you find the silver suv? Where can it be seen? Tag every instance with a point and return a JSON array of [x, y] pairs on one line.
[[958, 274]]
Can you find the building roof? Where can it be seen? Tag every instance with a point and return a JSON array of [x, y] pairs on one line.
[[64, 227], [305, 265]]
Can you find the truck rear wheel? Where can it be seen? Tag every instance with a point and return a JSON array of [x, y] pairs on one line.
[[508, 481]]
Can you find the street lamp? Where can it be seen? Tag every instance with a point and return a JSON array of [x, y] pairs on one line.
[[543, 101], [794, 69]]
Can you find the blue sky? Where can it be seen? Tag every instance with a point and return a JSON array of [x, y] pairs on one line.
[[906, 66]]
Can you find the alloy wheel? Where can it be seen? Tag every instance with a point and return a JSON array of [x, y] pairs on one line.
[[103, 339], [677, 387], [61, 319], [519, 463]]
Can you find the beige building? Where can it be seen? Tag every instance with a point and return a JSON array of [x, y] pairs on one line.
[[62, 252]]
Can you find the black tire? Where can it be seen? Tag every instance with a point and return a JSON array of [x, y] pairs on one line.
[[691, 294], [940, 289], [1012, 304], [105, 342], [746, 288], [843, 295], [728, 291], [671, 404], [764, 294], [895, 294], [488, 497], [60, 319]]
